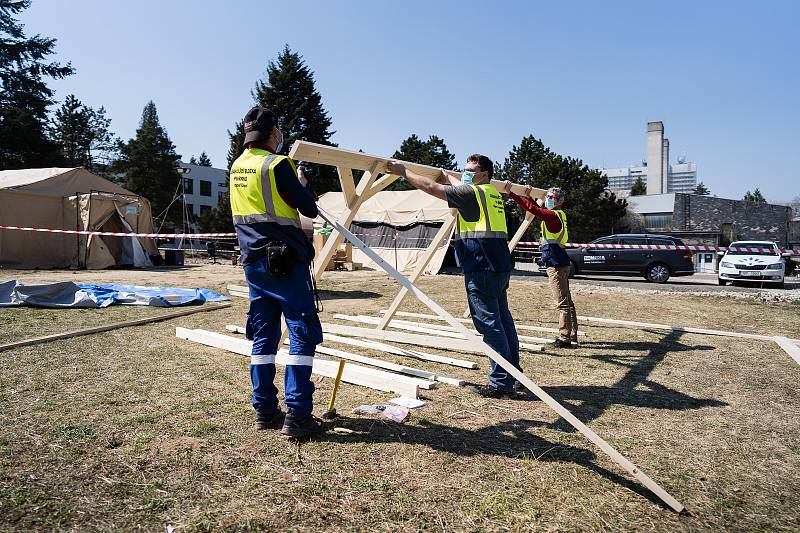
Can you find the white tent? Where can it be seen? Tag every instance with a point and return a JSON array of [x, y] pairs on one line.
[[398, 225]]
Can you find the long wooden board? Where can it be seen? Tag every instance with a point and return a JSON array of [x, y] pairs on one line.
[[617, 457], [429, 316], [789, 347], [354, 374], [109, 327]]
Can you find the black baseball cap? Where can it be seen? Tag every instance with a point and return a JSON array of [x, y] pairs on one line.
[[258, 124]]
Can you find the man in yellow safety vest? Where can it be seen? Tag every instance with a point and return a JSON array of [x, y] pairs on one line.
[[267, 198], [481, 250]]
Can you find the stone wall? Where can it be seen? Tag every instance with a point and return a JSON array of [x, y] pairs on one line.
[[734, 219]]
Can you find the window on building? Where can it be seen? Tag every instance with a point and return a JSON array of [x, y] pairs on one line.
[[188, 185], [190, 208], [657, 220], [205, 188], [204, 209]]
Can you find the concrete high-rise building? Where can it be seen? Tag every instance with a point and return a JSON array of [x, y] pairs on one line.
[[658, 175]]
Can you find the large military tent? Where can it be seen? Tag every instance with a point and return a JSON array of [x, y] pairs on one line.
[[71, 199], [398, 225]]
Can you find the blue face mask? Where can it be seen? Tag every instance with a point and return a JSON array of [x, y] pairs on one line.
[[280, 142], [549, 203], [466, 178]]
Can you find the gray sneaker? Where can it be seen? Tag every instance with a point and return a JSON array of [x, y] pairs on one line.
[[301, 427]]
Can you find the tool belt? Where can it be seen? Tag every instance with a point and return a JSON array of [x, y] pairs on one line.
[[280, 258]]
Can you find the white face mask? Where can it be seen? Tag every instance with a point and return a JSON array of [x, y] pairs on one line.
[[280, 141], [466, 178], [549, 203]]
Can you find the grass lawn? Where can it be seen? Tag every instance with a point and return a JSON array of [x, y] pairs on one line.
[[135, 429]]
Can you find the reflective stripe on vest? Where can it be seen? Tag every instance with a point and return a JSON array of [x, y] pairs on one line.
[[491, 223], [560, 238], [254, 193]]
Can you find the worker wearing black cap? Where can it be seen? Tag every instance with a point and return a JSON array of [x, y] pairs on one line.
[[267, 197]]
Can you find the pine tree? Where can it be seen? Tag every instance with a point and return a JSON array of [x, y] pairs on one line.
[[236, 140], [639, 188], [24, 96], [755, 197], [193, 160], [592, 210], [82, 135], [702, 190], [148, 162], [204, 160], [432, 152], [289, 90]]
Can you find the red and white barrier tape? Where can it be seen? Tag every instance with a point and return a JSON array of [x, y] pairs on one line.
[[125, 234], [691, 248]]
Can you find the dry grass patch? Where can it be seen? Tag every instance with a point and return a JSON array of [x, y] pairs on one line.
[[134, 429]]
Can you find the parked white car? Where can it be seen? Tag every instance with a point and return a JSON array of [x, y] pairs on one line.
[[764, 266]]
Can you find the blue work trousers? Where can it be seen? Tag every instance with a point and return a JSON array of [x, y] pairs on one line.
[[292, 296], [488, 305]]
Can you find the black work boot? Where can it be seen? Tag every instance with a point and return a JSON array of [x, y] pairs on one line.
[[487, 391], [269, 420], [558, 343], [300, 427]]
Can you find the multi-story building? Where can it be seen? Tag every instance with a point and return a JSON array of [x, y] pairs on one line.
[[658, 175], [203, 187]]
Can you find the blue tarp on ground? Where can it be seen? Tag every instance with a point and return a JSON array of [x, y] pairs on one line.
[[95, 295]]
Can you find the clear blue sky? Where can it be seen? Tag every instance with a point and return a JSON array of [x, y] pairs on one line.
[[585, 77]]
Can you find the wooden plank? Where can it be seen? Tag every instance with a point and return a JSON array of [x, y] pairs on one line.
[[396, 350], [441, 343], [330, 155], [443, 233], [701, 331], [789, 347], [469, 321], [387, 365], [387, 348], [348, 184], [98, 329], [433, 329], [617, 457], [353, 374]]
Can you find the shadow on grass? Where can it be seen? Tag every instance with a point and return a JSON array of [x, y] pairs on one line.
[[346, 295], [634, 388], [509, 439]]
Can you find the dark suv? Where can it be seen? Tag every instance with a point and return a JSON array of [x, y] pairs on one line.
[[655, 265]]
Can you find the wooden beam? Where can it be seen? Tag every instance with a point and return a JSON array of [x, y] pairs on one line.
[[354, 374], [387, 365], [789, 347], [443, 233], [98, 329], [348, 184], [468, 321], [436, 329], [330, 155], [441, 343], [617, 457], [396, 350], [701, 331]]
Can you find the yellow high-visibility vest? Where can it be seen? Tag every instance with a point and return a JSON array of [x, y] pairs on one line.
[[254, 192], [561, 238], [492, 221]]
